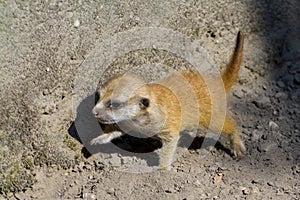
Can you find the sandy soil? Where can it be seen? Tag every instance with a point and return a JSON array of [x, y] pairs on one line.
[[44, 46]]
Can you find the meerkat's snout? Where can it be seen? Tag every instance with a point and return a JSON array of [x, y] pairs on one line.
[[113, 111], [96, 111], [100, 113]]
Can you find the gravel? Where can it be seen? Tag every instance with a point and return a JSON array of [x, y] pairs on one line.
[[43, 44]]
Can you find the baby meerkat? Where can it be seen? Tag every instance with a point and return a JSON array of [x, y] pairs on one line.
[[167, 107]]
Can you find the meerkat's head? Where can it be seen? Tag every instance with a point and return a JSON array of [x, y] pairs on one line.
[[123, 97]]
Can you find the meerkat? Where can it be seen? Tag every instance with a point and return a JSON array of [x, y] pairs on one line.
[[167, 107]]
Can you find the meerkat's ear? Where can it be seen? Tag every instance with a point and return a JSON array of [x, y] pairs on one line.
[[144, 102]]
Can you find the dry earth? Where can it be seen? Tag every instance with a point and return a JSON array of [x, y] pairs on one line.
[[44, 43]]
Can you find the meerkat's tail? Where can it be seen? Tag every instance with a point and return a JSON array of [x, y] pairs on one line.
[[230, 74]]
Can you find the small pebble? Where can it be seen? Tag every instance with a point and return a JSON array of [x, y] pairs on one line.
[[255, 135], [281, 84], [273, 126], [264, 136], [246, 191], [262, 102], [197, 183], [255, 190], [81, 167], [168, 191], [270, 183], [238, 93], [89, 196], [265, 147], [255, 181], [76, 23], [110, 191], [264, 87], [281, 95]]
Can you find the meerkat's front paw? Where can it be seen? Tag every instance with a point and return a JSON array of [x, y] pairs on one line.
[[238, 149], [106, 138], [98, 140]]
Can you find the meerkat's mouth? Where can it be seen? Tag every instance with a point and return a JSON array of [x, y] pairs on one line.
[[105, 120]]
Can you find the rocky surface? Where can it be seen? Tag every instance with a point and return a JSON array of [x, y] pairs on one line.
[[43, 44]]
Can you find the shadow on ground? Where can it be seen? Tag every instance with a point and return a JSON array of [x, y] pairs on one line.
[[281, 28]]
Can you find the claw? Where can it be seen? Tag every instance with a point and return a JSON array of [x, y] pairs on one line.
[[239, 149]]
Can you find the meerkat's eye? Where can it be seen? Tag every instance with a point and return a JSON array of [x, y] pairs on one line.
[[145, 102], [114, 104]]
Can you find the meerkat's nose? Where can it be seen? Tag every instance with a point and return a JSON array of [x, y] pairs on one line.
[[96, 110]]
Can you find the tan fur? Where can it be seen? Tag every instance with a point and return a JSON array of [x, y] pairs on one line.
[[175, 103], [230, 75]]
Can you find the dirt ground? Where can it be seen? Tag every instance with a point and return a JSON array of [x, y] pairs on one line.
[[44, 45]]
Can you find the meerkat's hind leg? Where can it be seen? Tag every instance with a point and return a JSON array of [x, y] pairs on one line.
[[106, 137], [168, 151], [237, 145]]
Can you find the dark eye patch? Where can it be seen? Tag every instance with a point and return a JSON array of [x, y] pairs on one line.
[[145, 102], [114, 104]]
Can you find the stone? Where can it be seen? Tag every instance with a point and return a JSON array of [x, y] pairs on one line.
[[238, 93], [265, 147], [273, 126], [281, 84], [275, 112], [264, 87], [76, 23], [255, 190], [255, 181], [281, 95], [246, 191], [262, 103], [110, 191], [255, 135], [270, 183], [89, 196]]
